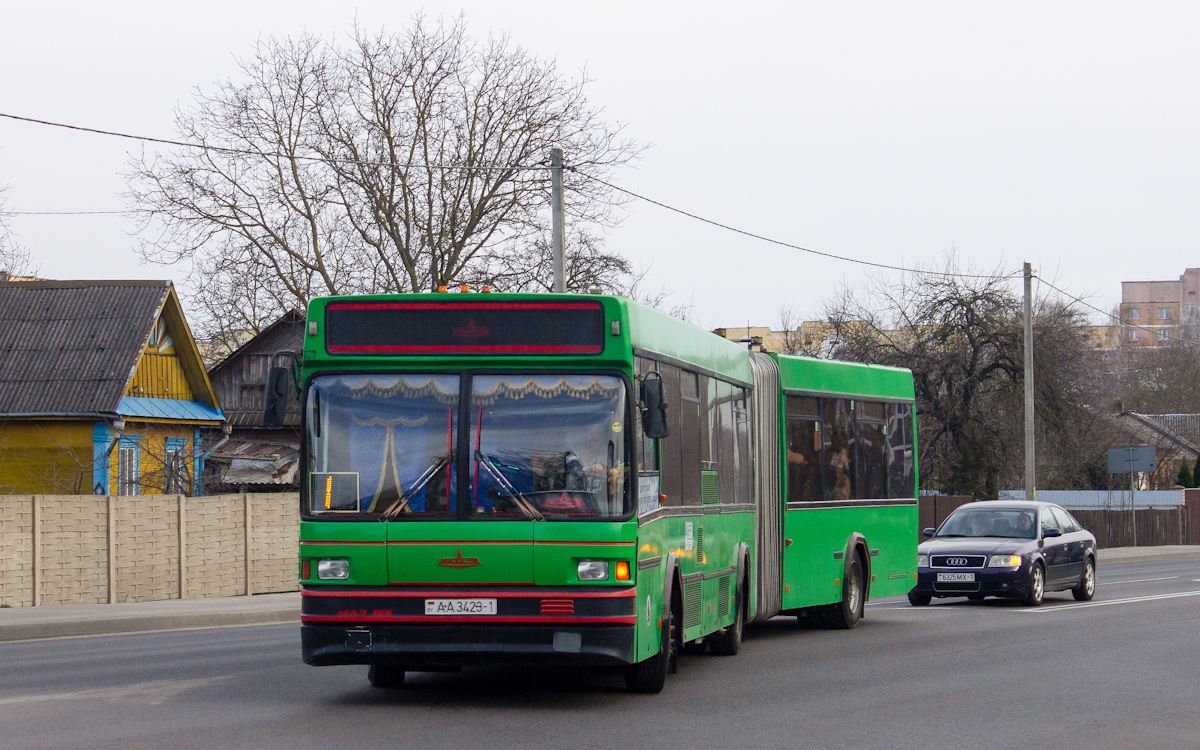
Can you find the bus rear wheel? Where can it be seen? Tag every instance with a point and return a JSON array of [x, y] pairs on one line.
[[650, 675], [846, 615], [385, 675]]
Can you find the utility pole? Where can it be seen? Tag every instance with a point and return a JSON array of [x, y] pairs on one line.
[[1030, 466], [556, 220]]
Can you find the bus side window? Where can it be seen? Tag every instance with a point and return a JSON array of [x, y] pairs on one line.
[[839, 449], [690, 420], [901, 451], [741, 454], [726, 476], [803, 431], [670, 448], [872, 450]]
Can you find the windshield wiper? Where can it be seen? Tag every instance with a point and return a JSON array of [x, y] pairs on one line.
[[397, 507], [518, 499]]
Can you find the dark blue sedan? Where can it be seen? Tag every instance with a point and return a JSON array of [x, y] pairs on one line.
[[1015, 550]]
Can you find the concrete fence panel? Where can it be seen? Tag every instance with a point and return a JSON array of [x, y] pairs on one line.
[[87, 549]]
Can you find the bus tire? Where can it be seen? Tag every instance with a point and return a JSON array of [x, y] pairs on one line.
[[729, 641], [385, 675], [846, 615], [649, 675]]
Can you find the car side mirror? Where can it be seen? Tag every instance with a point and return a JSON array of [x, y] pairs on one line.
[[928, 532], [654, 407], [275, 400], [1050, 533]]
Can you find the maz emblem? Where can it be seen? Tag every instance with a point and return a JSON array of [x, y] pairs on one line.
[[458, 561]]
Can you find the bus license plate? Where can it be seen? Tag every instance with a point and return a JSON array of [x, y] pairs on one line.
[[460, 606], [956, 577]]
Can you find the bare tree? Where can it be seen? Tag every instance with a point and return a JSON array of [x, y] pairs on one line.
[[399, 163], [963, 340], [15, 259]]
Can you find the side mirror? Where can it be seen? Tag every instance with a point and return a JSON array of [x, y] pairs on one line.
[[1051, 533], [275, 400], [928, 532], [654, 407]]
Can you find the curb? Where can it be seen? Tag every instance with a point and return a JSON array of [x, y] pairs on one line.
[[26, 631]]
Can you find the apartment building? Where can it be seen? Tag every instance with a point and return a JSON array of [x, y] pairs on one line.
[[1155, 312]]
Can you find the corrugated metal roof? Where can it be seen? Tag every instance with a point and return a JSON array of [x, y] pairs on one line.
[[168, 408], [69, 347]]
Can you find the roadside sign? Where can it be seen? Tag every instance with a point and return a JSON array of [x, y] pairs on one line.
[[1125, 460]]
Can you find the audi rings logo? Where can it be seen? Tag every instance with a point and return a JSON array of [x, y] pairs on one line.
[[956, 561]]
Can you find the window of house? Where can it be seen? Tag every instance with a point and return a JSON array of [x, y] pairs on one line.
[[1163, 335], [174, 466], [1133, 357], [1135, 313], [1108, 358], [128, 467], [1133, 334], [1164, 313]]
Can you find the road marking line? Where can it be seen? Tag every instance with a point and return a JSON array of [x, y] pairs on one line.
[[1137, 580], [153, 693], [1131, 600]]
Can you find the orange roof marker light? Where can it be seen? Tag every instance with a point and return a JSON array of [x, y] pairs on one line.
[[485, 290], [465, 288], [442, 289]]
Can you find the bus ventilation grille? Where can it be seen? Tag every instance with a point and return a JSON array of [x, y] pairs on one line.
[[723, 597], [710, 493], [699, 543], [558, 606], [691, 605]]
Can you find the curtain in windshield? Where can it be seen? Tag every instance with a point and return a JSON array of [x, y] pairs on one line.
[[383, 444], [549, 445]]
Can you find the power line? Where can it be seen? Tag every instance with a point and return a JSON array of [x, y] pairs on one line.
[[781, 243], [63, 213], [1157, 331], [278, 155]]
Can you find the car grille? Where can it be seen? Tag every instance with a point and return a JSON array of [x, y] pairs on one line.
[[957, 561]]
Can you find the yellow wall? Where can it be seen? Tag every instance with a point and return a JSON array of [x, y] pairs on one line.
[[152, 453], [46, 457], [159, 376]]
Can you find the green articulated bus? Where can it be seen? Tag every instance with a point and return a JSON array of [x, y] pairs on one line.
[[582, 480]]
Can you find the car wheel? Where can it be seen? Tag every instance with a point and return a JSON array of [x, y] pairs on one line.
[[1087, 583], [729, 642], [847, 614], [385, 675], [650, 675], [1037, 586], [918, 599]]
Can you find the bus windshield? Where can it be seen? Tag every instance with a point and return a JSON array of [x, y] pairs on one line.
[[549, 445], [542, 447]]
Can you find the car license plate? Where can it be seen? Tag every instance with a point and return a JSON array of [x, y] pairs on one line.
[[460, 606], [956, 577]]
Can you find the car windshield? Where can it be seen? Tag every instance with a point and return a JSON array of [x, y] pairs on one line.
[[1006, 524], [541, 446], [550, 445]]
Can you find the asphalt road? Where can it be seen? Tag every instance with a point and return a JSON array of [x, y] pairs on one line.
[[1119, 672]]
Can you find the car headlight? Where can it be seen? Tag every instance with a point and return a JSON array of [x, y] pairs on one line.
[[333, 570], [922, 561], [1004, 561], [593, 570]]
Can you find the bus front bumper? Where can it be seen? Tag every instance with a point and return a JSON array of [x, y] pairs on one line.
[[415, 646], [369, 625]]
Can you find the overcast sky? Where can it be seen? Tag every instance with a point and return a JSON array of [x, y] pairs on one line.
[[1064, 134]]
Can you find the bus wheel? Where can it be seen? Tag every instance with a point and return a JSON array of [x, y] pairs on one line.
[[847, 614], [729, 641], [649, 675], [385, 675]]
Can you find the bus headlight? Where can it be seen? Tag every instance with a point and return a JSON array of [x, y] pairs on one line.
[[333, 570], [593, 570]]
